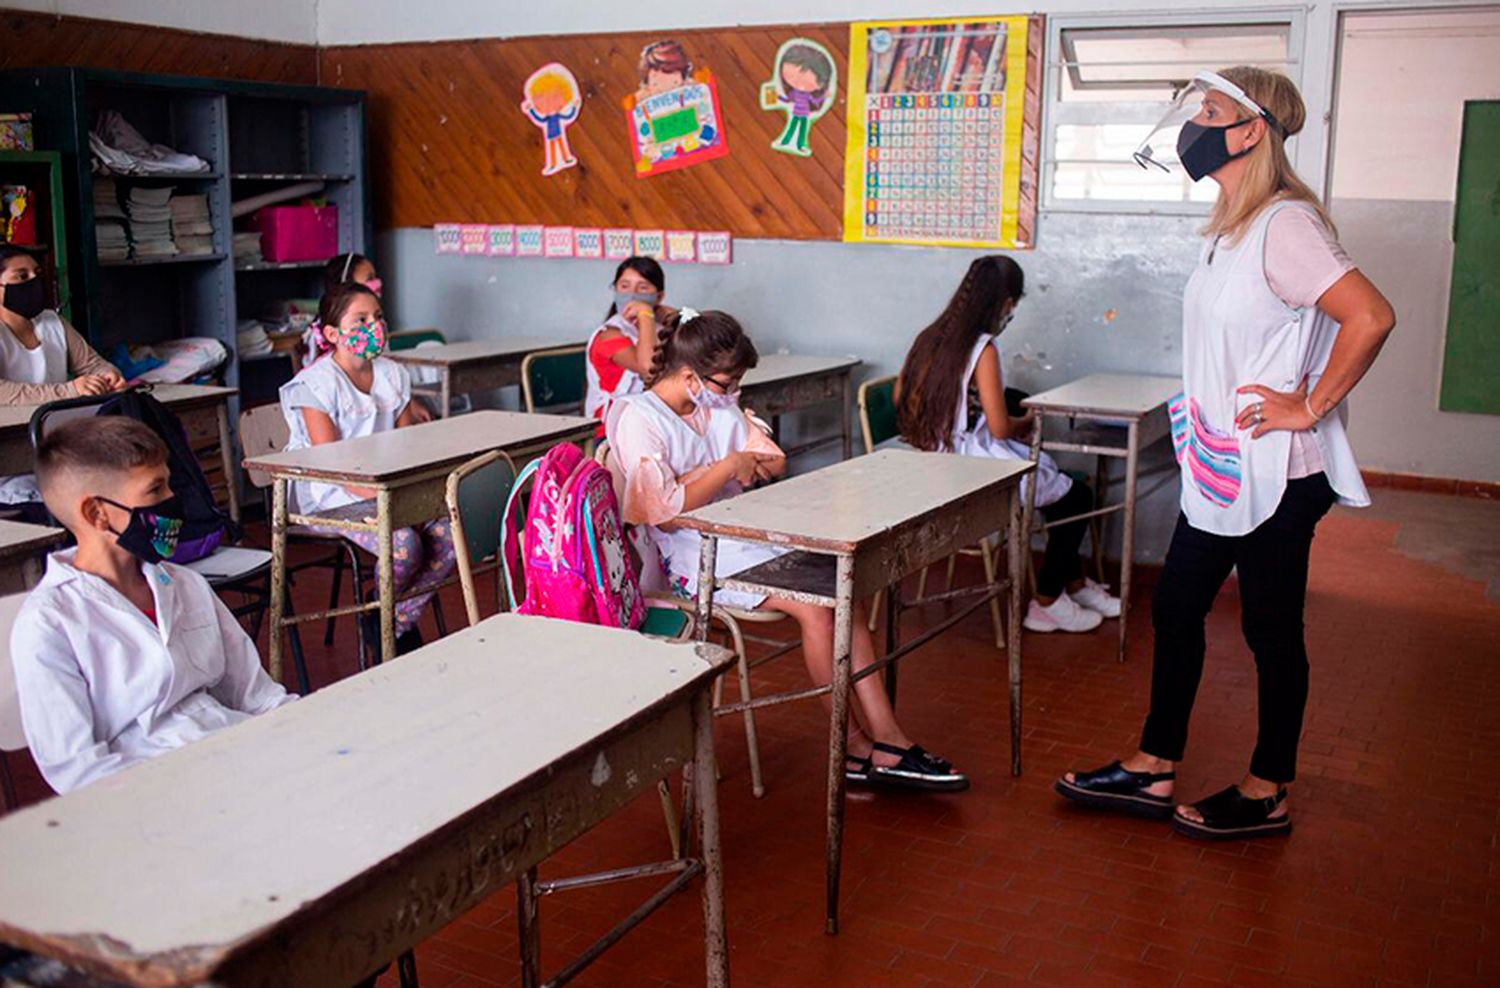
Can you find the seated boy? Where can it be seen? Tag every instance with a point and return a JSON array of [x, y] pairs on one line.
[[119, 656]]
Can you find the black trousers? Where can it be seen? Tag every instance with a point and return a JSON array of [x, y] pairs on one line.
[[1272, 564], [1060, 562]]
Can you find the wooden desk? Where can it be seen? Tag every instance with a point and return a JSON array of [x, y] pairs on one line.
[[475, 365], [309, 846], [856, 528], [204, 412], [22, 549], [1106, 404], [784, 382], [409, 469]]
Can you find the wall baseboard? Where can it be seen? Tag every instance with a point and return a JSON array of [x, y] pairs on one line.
[[1487, 489]]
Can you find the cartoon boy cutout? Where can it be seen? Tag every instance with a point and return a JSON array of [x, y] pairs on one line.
[[552, 101]]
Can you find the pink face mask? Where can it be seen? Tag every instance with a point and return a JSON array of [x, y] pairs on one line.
[[376, 285]]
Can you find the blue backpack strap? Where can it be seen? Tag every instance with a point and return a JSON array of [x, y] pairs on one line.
[[508, 528]]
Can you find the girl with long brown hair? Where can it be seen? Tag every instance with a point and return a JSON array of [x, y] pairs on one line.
[[950, 397], [1278, 327]]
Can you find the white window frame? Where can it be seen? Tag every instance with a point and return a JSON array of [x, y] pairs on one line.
[[1056, 113]]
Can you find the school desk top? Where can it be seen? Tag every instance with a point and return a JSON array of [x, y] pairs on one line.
[[836, 508], [1119, 395], [19, 416], [161, 873], [387, 456], [468, 351], [20, 539], [774, 368]]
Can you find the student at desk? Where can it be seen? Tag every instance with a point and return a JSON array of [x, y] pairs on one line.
[[42, 359], [119, 656], [685, 443], [353, 391], [619, 353]]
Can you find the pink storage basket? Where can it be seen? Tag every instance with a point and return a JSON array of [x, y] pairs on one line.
[[298, 233]]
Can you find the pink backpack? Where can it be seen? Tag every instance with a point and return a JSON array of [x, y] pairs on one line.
[[573, 559]]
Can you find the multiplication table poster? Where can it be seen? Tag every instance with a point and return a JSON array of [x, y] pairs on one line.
[[936, 111]]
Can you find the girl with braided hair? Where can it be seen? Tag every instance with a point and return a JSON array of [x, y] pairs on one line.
[[684, 443], [950, 398]]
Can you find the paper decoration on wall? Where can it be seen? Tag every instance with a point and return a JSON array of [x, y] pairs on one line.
[[557, 241], [503, 240], [650, 243], [588, 242], [551, 100], [804, 84], [674, 116], [935, 117], [619, 244], [528, 241], [715, 248], [475, 238], [449, 238]]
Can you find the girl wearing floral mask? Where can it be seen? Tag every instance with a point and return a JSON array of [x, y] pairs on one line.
[[685, 443], [354, 391]]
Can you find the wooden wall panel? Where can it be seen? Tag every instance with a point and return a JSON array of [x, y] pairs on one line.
[[34, 40], [448, 141]]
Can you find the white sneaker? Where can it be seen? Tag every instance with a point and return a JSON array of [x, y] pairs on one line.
[[1061, 615], [1096, 597]]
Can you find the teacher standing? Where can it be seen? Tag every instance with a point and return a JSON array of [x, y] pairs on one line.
[[1278, 328]]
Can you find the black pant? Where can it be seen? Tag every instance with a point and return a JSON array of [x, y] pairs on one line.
[[1060, 563], [1272, 564]]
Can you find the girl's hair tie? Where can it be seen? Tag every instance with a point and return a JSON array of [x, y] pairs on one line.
[[686, 315]]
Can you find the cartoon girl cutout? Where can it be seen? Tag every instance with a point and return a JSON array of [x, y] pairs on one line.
[[804, 87], [552, 101]]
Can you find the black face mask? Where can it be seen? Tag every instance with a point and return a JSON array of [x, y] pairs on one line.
[[1204, 150], [152, 533], [26, 298]]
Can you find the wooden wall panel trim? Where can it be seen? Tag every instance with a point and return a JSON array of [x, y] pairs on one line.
[[34, 40]]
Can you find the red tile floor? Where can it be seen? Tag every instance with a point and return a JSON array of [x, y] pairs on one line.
[[1390, 876]]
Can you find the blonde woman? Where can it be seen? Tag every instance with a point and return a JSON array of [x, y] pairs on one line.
[[1278, 328]]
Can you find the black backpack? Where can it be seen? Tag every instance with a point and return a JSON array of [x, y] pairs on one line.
[[205, 526]]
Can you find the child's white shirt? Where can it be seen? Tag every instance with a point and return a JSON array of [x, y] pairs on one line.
[[323, 385], [102, 688]]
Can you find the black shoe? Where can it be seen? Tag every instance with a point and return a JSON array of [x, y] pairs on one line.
[[409, 642], [1115, 787], [917, 770], [1231, 815], [857, 770]]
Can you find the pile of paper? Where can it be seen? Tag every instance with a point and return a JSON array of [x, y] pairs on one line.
[[192, 229], [109, 222], [246, 247], [250, 339], [150, 222]]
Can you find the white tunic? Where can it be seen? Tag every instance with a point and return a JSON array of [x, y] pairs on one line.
[[596, 401], [978, 441], [647, 435], [1237, 331], [324, 385], [47, 363], [102, 688]]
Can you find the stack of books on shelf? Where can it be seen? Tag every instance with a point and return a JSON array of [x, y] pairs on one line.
[[150, 222], [192, 229], [246, 247], [109, 222]]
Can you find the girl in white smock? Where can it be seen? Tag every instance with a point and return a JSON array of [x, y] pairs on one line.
[[684, 443], [618, 355]]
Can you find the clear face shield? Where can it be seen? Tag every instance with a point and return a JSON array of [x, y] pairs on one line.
[[1202, 111]]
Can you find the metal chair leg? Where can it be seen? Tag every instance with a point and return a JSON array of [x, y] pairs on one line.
[[987, 553], [529, 930], [406, 969], [299, 660], [952, 565], [7, 787], [437, 615], [359, 598], [751, 741], [333, 592], [875, 611], [669, 811]]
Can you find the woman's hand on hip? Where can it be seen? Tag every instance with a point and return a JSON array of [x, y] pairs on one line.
[[1275, 410]]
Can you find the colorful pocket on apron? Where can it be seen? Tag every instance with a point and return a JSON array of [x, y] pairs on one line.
[[1212, 457]]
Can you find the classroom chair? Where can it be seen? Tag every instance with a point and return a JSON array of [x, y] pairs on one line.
[[733, 619], [877, 421], [229, 569], [476, 496], [12, 736], [555, 381]]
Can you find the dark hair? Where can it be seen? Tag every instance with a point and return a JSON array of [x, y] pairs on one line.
[[112, 442], [930, 383], [647, 268], [710, 343], [331, 308], [340, 268], [8, 251], [808, 57]]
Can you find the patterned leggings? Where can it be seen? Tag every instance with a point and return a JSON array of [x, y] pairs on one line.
[[420, 557]]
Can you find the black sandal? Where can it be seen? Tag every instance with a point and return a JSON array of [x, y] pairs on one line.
[[1231, 815], [917, 769], [1114, 787], [857, 769]]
